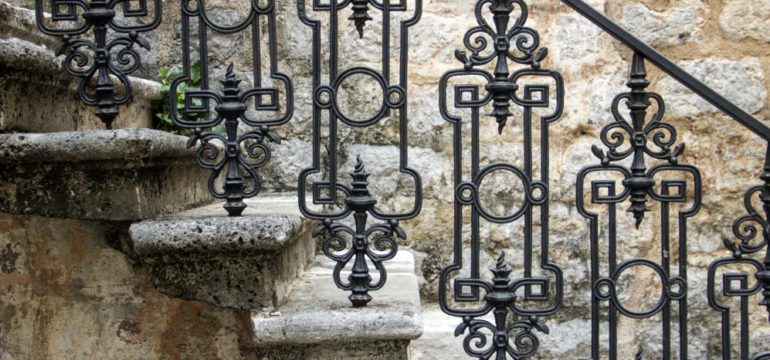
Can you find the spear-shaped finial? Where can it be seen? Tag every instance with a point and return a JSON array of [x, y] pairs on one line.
[[231, 81], [360, 198], [501, 271], [359, 173], [360, 15], [639, 183]]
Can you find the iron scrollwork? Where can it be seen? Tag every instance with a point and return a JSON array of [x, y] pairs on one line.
[[534, 90], [236, 155], [638, 139], [753, 233], [96, 61], [363, 243]]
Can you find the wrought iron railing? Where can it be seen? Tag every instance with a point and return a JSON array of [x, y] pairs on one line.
[[531, 89], [503, 65], [249, 112], [362, 243], [641, 151]]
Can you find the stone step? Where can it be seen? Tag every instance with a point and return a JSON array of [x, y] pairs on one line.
[[114, 175], [437, 341], [38, 95], [247, 262], [318, 322]]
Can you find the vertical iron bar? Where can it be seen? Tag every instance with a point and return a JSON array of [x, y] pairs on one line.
[[665, 252]]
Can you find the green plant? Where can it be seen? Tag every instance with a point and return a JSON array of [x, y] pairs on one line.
[[162, 120]]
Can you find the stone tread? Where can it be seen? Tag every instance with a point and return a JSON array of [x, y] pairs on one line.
[[268, 224], [83, 146], [317, 312], [115, 175]]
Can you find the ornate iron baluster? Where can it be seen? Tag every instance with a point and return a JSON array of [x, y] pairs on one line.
[[97, 61], [653, 139], [244, 153], [363, 243], [512, 41], [753, 233]]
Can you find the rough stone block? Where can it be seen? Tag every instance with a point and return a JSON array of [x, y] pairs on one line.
[[68, 294], [247, 262], [118, 175], [745, 19], [318, 321]]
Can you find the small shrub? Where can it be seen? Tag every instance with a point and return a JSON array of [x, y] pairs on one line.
[[162, 119]]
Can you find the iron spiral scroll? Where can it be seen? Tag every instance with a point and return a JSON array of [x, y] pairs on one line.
[[249, 113], [752, 232], [110, 54], [519, 306], [360, 249]]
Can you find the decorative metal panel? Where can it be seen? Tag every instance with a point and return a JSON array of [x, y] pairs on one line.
[[519, 305], [110, 54], [733, 293], [676, 187], [249, 104], [373, 238]]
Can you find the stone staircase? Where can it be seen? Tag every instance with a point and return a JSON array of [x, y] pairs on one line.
[[317, 321], [266, 262], [247, 262], [112, 247]]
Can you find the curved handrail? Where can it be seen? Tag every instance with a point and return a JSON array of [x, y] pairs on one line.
[[673, 70]]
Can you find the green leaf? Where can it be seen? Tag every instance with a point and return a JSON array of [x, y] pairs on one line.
[[195, 73], [162, 108], [174, 72], [219, 130]]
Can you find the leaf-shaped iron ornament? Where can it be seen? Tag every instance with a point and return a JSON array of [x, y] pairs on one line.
[[501, 296], [111, 55], [641, 135], [377, 243], [513, 42]]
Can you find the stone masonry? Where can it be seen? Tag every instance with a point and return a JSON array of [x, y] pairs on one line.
[[724, 43]]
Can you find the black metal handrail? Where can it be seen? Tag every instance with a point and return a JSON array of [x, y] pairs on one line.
[[670, 68]]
